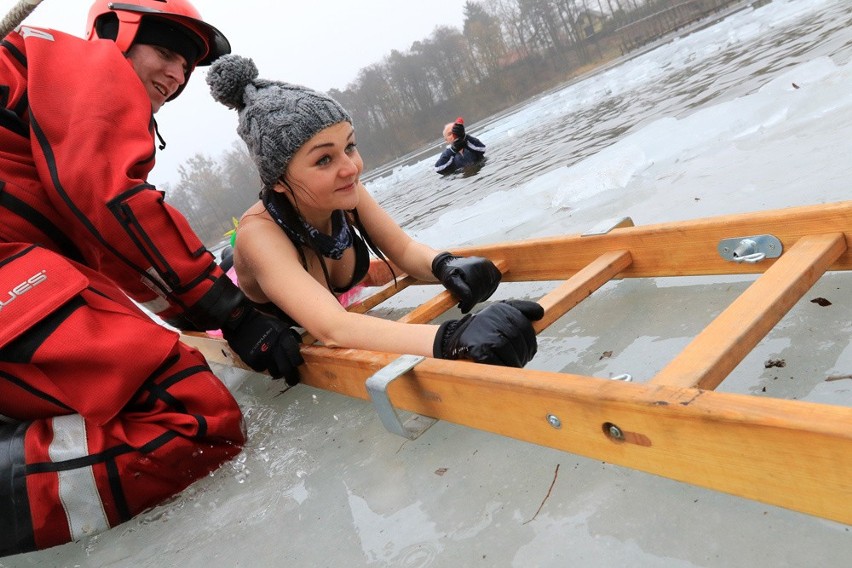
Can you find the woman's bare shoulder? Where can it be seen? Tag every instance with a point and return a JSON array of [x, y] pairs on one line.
[[254, 222], [256, 211]]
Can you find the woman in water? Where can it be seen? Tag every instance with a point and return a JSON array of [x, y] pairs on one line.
[[308, 239]]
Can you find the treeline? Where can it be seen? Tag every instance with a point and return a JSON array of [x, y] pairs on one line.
[[506, 52]]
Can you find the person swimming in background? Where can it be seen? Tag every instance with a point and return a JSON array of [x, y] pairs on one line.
[[463, 150], [309, 237]]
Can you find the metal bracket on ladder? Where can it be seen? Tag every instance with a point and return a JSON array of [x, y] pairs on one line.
[[377, 386], [608, 225], [750, 249]]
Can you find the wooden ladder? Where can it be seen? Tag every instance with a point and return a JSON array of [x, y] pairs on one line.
[[789, 453]]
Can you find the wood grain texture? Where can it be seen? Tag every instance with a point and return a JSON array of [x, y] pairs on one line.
[[788, 453], [720, 347]]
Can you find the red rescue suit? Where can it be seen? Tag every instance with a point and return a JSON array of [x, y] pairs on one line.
[[106, 413]]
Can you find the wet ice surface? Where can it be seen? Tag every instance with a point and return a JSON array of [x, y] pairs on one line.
[[321, 483], [753, 113]]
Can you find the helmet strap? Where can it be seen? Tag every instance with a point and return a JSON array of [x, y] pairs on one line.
[[127, 28]]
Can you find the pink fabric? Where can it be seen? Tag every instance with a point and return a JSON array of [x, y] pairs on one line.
[[351, 296]]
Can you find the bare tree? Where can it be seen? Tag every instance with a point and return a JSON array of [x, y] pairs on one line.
[[409, 82], [455, 63], [371, 85], [541, 19], [485, 37], [242, 181], [513, 33], [440, 55], [201, 197]]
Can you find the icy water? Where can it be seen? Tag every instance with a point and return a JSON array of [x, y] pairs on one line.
[[725, 83], [752, 113]]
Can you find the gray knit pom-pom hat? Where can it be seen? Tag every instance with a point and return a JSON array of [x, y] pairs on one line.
[[276, 118]]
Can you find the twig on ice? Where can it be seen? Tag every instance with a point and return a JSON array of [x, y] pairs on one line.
[[552, 483]]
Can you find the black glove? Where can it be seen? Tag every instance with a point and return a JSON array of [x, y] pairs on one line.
[[264, 343], [459, 143], [471, 279], [458, 130], [500, 334]]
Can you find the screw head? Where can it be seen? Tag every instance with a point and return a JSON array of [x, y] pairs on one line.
[[613, 431], [554, 421]]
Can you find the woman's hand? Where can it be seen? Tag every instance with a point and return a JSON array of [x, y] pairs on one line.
[[470, 279], [501, 334]]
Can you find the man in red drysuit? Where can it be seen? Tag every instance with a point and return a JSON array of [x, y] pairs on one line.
[[104, 412]]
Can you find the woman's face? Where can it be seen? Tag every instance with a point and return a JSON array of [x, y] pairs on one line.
[[324, 172]]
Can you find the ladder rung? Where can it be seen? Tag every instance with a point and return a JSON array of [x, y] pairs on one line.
[[720, 347], [581, 285], [423, 313], [429, 310], [388, 290]]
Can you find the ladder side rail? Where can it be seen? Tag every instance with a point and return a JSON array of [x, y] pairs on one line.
[[214, 349], [555, 303], [788, 453]]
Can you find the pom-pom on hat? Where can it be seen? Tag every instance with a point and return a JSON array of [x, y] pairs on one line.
[[276, 118]]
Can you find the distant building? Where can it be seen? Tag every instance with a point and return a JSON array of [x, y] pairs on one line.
[[591, 22], [658, 24]]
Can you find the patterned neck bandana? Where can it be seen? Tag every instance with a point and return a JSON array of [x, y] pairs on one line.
[[330, 246]]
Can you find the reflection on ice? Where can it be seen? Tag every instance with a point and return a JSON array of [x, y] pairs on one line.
[[405, 537]]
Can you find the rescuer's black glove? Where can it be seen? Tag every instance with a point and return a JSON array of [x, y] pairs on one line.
[[264, 343]]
